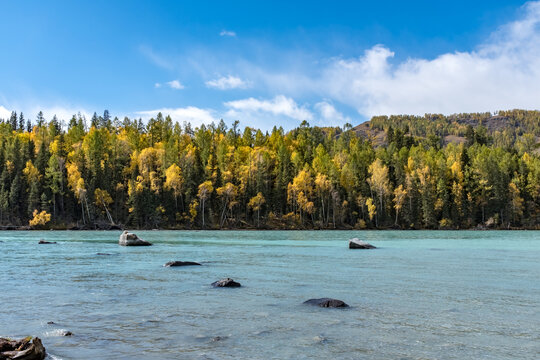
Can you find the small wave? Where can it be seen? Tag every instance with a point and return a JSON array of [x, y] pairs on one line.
[[52, 357], [55, 333]]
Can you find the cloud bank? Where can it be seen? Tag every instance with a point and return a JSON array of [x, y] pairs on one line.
[[502, 73], [258, 111], [194, 115]]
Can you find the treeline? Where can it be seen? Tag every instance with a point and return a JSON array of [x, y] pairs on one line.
[[164, 175]]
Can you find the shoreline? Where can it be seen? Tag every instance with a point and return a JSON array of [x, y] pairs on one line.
[[265, 229]]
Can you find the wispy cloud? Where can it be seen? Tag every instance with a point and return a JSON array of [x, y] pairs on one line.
[[174, 84], [227, 33], [228, 82], [194, 115], [156, 58], [255, 111]]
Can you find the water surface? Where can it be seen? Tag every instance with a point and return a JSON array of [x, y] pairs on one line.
[[420, 295]]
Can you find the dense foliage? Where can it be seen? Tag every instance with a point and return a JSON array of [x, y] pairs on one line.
[[163, 175]]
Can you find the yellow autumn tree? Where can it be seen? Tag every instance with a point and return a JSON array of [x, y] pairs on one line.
[[40, 218], [379, 181], [372, 209], [103, 199], [255, 203], [227, 193], [174, 181], [205, 189], [399, 199], [76, 184]]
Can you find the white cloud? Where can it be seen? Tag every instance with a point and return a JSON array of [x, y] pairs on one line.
[[175, 84], [62, 112], [196, 116], [329, 115], [228, 82], [227, 33], [502, 73], [254, 110], [4, 113]]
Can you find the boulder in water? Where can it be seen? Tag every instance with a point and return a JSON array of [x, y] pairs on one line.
[[180, 263], [46, 242], [326, 302], [24, 349], [359, 244], [130, 239], [228, 282]]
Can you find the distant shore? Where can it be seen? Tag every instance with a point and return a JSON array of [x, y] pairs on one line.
[[343, 228]]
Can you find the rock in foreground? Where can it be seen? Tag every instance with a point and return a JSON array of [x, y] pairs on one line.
[[24, 349], [130, 239], [359, 244], [326, 302], [228, 282], [180, 263]]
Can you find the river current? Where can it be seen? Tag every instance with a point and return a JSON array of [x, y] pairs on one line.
[[419, 295]]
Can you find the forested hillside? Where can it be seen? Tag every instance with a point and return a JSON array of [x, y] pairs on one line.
[[460, 171]]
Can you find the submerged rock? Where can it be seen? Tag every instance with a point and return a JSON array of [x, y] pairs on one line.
[[359, 244], [46, 242], [180, 263], [24, 349], [326, 302], [228, 282], [130, 239], [67, 333]]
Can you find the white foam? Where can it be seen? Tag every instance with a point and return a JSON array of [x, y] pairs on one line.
[[56, 332]]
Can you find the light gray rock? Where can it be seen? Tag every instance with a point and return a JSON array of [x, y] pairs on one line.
[[130, 239], [359, 244]]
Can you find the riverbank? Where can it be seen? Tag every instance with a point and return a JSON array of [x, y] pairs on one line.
[[122, 227]]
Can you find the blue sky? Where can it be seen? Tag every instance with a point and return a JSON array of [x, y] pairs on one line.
[[278, 62]]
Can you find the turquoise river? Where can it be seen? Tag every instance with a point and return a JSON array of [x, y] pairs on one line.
[[419, 295]]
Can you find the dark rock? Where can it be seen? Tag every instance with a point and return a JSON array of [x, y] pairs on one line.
[[359, 244], [218, 338], [51, 323], [67, 333], [130, 239], [228, 282], [326, 302], [46, 242], [24, 349], [180, 263]]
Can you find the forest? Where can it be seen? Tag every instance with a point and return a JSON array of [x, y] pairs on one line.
[[461, 171]]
